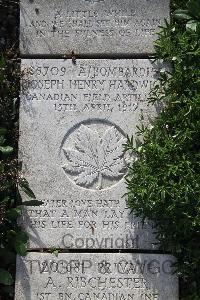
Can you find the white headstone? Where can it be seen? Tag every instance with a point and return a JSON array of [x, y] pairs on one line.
[[74, 119]]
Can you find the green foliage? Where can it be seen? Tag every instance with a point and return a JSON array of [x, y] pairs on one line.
[[191, 14], [55, 251], [5, 277], [163, 184], [12, 238], [9, 212]]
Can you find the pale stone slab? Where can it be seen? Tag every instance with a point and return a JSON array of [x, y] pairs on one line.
[[74, 119], [97, 27], [100, 276]]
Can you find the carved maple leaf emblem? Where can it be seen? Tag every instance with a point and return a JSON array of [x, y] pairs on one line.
[[94, 157]]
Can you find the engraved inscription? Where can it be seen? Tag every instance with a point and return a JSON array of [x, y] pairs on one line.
[[94, 158], [91, 26], [99, 276], [90, 88], [89, 216]]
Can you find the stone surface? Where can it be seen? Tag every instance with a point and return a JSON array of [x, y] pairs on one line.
[[74, 119], [100, 276], [97, 27]]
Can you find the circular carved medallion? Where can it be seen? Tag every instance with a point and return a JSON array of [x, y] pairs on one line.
[[94, 154]]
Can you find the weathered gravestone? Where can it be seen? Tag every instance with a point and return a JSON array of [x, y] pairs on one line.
[[74, 119], [94, 27], [75, 115], [100, 276]]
